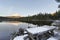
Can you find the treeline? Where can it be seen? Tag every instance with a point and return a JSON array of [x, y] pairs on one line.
[[38, 17], [56, 15], [42, 16]]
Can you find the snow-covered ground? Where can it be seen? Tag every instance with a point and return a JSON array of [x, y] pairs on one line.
[[52, 38], [55, 37], [38, 30], [20, 37]]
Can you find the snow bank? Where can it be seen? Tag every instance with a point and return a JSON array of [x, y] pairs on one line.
[[52, 38], [20, 37]]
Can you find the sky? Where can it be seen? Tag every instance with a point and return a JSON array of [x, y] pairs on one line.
[[27, 7]]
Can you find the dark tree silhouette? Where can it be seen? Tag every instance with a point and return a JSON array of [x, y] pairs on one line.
[[58, 2], [58, 6]]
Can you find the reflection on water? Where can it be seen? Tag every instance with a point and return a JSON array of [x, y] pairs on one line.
[[6, 28], [14, 23]]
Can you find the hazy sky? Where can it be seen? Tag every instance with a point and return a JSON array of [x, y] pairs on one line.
[[27, 7]]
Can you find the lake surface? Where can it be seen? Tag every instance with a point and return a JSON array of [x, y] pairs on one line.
[[6, 28]]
